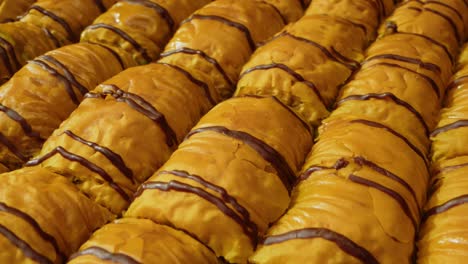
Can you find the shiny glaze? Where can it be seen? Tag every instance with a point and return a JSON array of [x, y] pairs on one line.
[[15, 116], [284, 171], [158, 9], [59, 20], [344, 243], [85, 163], [139, 104], [111, 51], [105, 255]]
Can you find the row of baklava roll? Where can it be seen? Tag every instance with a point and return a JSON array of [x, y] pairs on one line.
[[361, 192], [45, 91], [124, 130], [232, 175], [443, 235], [46, 25]]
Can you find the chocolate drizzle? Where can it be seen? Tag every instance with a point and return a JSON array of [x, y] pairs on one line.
[[52, 37], [447, 6], [105, 255], [455, 83], [225, 21], [26, 249], [425, 65], [451, 168], [339, 164], [391, 96], [11, 54], [285, 22], [15, 116], [139, 104], [194, 80], [100, 5], [336, 56], [27, 218], [449, 20], [124, 36], [70, 77], [12, 148], [202, 54], [288, 70], [454, 125], [113, 157], [393, 132], [59, 76], [111, 51], [158, 8], [284, 171], [85, 163], [433, 84], [248, 227], [344, 243], [6, 62], [394, 195], [59, 20], [460, 200]]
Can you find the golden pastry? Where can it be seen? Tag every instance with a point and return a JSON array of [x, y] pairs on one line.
[[142, 28], [218, 185], [142, 241], [10, 9], [48, 220]]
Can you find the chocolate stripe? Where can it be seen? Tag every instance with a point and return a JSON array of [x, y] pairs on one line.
[[25, 248], [15, 116], [448, 19], [339, 164], [105, 255], [447, 6], [124, 36], [27, 218], [344, 243], [460, 200], [113, 157], [284, 171], [85, 163], [52, 37], [433, 84], [111, 51], [142, 106], [391, 96], [451, 168], [394, 195], [455, 83], [225, 21], [209, 59], [6, 62], [100, 5], [276, 10], [365, 162], [10, 49], [346, 20], [393, 132], [219, 203], [68, 74], [12, 148], [351, 64], [194, 80], [158, 8], [425, 65], [56, 74], [289, 71], [227, 199], [59, 20], [454, 125]]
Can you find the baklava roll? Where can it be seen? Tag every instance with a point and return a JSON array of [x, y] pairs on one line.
[[45, 91], [10, 9], [236, 26], [140, 27], [443, 235], [43, 217], [199, 190], [362, 189], [443, 22], [135, 241]]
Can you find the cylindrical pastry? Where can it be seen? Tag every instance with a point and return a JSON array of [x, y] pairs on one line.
[[141, 27], [43, 217], [443, 235], [363, 186], [218, 185], [42, 94], [142, 241], [10, 9]]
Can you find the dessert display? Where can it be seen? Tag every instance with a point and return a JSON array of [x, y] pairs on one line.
[[47, 25], [30, 111], [10, 9], [443, 232], [362, 189]]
